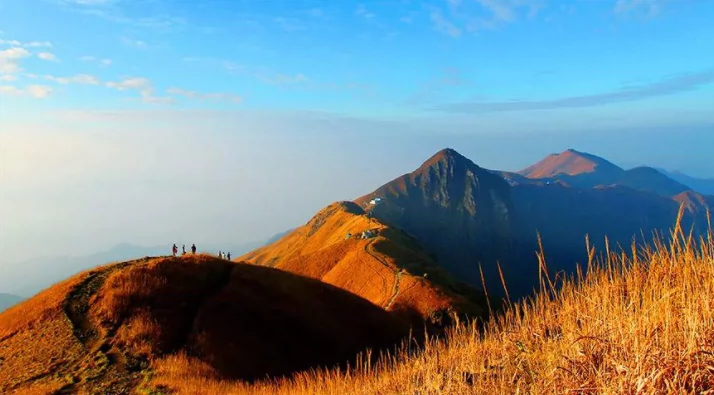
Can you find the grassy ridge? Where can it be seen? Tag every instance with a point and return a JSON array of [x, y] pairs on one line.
[[638, 324]]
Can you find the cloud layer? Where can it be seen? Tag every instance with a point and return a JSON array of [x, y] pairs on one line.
[[668, 86]]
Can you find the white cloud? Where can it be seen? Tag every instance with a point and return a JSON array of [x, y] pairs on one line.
[[82, 79], [648, 8], [469, 15], [363, 12], [501, 10], [7, 77], [89, 2], [48, 56], [9, 60], [316, 13], [39, 91], [204, 96], [143, 86], [289, 24], [38, 44], [14, 53], [31, 44], [133, 43], [148, 97], [135, 83], [103, 62], [35, 91], [281, 79], [444, 26]]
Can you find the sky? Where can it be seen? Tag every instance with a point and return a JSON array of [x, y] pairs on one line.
[[217, 121]]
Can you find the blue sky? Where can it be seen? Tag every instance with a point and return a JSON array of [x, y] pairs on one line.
[[115, 113]]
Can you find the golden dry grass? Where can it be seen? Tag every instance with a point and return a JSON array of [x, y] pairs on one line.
[[39, 322], [368, 268], [631, 325], [102, 329]]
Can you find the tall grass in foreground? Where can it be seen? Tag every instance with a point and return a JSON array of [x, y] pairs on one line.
[[641, 324]]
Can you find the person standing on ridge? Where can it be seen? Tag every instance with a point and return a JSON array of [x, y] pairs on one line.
[[229, 256], [183, 248], [174, 250], [220, 254], [193, 249]]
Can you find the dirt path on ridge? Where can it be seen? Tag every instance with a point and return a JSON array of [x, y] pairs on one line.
[[397, 274], [103, 368]]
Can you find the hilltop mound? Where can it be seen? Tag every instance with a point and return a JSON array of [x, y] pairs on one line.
[[102, 330], [569, 162], [585, 170], [388, 268]]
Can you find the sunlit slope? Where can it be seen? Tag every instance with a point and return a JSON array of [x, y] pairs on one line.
[[389, 269], [105, 330]]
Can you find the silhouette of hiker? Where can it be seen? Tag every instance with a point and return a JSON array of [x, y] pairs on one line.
[[193, 249], [220, 254], [229, 256], [183, 248], [174, 250]]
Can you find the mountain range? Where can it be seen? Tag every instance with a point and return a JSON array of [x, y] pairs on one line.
[[470, 220], [701, 185]]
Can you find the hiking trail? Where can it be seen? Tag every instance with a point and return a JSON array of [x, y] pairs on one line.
[[103, 368], [397, 273]]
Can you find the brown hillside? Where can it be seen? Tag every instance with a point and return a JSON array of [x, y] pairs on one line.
[[388, 270], [103, 330], [695, 202], [570, 162]]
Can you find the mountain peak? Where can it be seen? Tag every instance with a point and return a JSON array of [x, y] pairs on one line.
[[447, 156], [569, 162]]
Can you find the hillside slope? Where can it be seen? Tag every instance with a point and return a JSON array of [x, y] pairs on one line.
[[388, 269], [103, 330], [629, 326]]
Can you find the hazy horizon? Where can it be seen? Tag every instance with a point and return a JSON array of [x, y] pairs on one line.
[[157, 121]]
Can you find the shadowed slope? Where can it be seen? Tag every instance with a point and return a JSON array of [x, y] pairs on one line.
[[102, 330], [474, 220], [387, 270], [702, 185]]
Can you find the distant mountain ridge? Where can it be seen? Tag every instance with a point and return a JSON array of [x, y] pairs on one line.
[[588, 171], [8, 300], [571, 163], [702, 185], [469, 216]]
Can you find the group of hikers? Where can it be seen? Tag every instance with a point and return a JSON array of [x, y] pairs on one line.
[[174, 249], [221, 254]]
